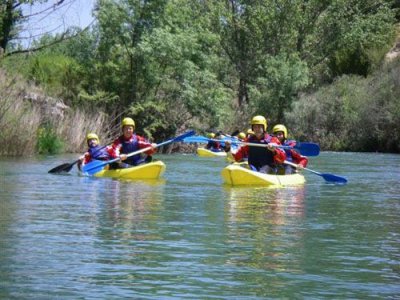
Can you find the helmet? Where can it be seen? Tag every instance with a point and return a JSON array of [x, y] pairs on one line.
[[92, 136], [211, 135], [250, 131], [128, 122], [280, 127], [241, 135], [259, 120]]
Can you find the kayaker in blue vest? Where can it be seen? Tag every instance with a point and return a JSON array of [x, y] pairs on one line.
[[262, 159], [214, 146], [280, 131], [130, 142], [95, 151]]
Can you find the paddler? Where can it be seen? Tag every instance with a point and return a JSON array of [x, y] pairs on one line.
[[130, 142], [215, 146], [280, 131], [263, 159], [95, 151]]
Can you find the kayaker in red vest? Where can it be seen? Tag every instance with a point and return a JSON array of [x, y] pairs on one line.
[[262, 159], [127, 143], [280, 131], [95, 151], [214, 146]]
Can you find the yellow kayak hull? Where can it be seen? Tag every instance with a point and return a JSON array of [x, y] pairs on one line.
[[203, 152], [151, 170], [236, 175]]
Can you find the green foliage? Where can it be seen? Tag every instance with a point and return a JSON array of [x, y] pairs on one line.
[[58, 74], [182, 63], [48, 142], [370, 37], [284, 77], [355, 114], [100, 100]]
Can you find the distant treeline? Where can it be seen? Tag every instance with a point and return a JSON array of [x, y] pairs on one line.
[[316, 66]]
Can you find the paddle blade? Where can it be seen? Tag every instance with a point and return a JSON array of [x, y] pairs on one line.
[[307, 149], [195, 139], [183, 136], [334, 178], [93, 167], [62, 168]]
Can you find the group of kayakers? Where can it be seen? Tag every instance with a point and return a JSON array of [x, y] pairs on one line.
[[267, 156], [127, 143], [269, 159]]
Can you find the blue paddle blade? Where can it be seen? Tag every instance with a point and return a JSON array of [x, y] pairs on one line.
[[184, 136], [307, 149], [195, 139], [94, 167], [334, 178]]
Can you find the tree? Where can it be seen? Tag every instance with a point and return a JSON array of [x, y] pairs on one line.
[[12, 18]]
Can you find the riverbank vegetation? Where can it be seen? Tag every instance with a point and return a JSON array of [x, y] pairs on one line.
[[317, 66]]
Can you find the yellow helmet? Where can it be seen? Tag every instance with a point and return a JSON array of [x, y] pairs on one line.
[[241, 135], [128, 122], [211, 135], [92, 136], [280, 127], [259, 120]]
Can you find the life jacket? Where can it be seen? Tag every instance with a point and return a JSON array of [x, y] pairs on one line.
[[214, 146], [128, 147], [260, 156], [99, 152]]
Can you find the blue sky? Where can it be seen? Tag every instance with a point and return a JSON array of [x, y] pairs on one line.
[[50, 20]]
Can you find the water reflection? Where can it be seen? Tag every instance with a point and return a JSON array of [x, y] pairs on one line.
[[269, 225]]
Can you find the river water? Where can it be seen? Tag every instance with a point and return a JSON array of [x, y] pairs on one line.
[[187, 236]]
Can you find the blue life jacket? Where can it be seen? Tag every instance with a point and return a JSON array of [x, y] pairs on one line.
[[99, 152], [260, 156], [129, 147]]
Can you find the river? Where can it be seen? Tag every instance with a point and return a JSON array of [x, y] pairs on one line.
[[187, 236]]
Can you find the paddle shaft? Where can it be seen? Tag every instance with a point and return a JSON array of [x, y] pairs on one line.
[[296, 166], [328, 177]]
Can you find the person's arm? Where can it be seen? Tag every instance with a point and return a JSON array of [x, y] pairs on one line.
[[298, 159], [143, 143], [114, 150], [279, 154]]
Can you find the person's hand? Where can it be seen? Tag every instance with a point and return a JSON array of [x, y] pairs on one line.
[[271, 147], [123, 157], [227, 147], [154, 145], [299, 167]]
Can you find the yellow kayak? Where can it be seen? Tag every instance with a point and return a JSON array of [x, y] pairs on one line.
[[236, 175], [208, 153], [151, 170]]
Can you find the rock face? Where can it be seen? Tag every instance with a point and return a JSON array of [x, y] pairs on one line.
[[48, 106]]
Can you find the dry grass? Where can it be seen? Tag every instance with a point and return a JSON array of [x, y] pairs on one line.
[[21, 119]]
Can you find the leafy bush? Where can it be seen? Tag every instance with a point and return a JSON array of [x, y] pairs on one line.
[[48, 142], [352, 114]]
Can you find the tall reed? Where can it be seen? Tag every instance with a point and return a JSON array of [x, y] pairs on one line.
[[32, 127]]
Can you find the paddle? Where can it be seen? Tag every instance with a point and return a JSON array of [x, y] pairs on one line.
[[98, 165], [328, 177], [66, 167], [307, 149]]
